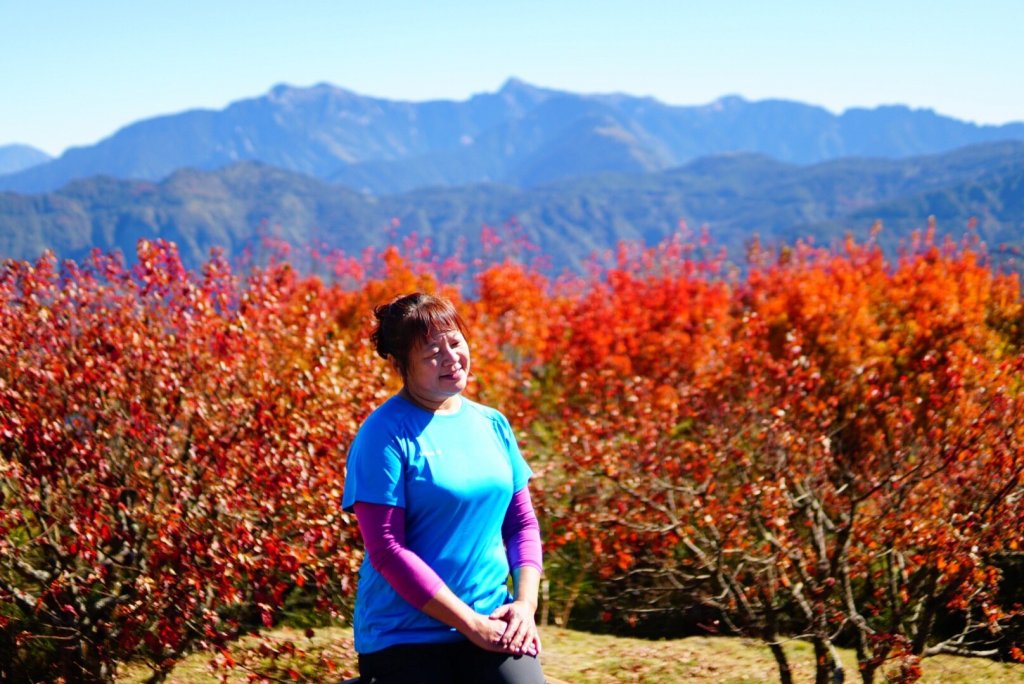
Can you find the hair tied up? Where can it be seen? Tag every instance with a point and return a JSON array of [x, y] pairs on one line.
[[408, 319]]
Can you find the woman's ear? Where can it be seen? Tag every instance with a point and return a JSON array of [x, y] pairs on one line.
[[395, 366]]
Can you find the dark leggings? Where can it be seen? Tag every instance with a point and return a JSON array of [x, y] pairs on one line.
[[458, 663]]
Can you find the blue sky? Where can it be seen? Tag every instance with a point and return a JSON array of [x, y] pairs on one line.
[[74, 72]]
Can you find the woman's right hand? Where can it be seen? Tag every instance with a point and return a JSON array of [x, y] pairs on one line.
[[487, 632], [482, 630]]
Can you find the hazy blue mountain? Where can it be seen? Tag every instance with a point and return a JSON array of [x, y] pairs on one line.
[[735, 196], [14, 158], [522, 136]]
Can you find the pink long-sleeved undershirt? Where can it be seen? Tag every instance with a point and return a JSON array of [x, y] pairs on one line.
[[383, 530], [521, 533]]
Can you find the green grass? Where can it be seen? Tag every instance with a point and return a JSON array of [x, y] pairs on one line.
[[576, 657]]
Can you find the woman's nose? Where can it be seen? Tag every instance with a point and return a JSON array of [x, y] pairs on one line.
[[450, 357]]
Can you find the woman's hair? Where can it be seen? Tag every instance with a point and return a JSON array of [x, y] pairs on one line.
[[408, 319]]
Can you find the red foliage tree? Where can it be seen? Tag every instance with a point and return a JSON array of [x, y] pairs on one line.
[[172, 455]]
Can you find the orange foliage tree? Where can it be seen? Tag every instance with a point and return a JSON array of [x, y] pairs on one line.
[[831, 447]]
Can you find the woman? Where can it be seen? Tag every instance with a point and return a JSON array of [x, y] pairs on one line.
[[439, 489]]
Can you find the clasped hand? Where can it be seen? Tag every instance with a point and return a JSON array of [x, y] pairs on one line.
[[511, 629]]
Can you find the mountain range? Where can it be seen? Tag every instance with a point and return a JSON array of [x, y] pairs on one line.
[[572, 174], [734, 196], [522, 135]]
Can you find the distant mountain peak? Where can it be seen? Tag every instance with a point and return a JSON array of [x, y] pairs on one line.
[[517, 85], [518, 90], [288, 94], [18, 157], [727, 102]]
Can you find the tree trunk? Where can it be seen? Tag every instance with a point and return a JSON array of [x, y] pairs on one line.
[[827, 670], [771, 637], [785, 674], [821, 662], [923, 628]]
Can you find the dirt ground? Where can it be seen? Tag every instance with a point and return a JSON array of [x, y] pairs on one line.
[[575, 657]]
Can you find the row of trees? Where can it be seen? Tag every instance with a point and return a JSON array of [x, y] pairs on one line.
[[823, 444], [831, 447]]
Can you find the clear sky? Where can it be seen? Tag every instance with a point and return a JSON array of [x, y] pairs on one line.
[[72, 72]]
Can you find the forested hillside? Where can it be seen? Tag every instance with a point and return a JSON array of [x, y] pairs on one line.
[[734, 197]]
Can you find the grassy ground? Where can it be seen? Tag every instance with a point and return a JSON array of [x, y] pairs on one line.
[[576, 657]]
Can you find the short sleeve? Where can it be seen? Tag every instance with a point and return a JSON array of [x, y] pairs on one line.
[[521, 472], [374, 472]]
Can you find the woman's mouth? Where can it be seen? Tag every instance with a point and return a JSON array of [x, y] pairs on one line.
[[454, 375]]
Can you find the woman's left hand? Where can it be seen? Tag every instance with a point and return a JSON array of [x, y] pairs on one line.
[[521, 635]]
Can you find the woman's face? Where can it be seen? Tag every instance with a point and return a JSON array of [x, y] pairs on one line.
[[438, 368]]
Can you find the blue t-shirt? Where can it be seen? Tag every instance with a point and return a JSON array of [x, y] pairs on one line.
[[454, 474]]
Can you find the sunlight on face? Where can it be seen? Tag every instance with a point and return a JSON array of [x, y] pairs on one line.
[[438, 369]]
